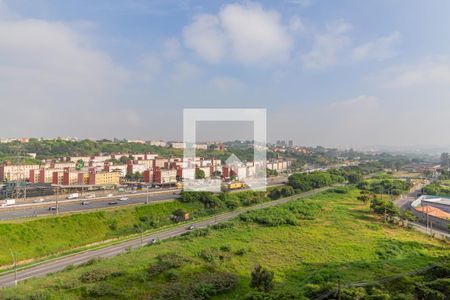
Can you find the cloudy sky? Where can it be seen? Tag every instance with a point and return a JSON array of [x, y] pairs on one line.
[[333, 73]]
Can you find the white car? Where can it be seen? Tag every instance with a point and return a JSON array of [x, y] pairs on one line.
[[38, 200], [124, 199], [109, 195]]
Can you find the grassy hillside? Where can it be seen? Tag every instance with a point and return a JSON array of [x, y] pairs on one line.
[[45, 236], [308, 244], [36, 238]]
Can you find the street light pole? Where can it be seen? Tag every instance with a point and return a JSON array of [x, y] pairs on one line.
[[15, 266], [57, 203]]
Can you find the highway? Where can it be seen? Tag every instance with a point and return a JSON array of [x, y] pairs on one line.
[[29, 210], [59, 264], [43, 209]]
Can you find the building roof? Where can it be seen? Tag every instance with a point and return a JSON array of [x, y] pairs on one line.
[[433, 211]]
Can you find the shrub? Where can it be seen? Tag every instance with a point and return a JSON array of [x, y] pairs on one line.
[[201, 287], [166, 262], [304, 209], [225, 248], [274, 216], [261, 279], [103, 290], [216, 283], [240, 252], [98, 275], [223, 225]]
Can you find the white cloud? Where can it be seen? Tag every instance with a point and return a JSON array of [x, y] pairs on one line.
[[49, 74], [227, 83], [328, 46], [256, 35], [431, 73], [171, 48], [364, 102], [303, 3], [185, 71], [296, 25], [205, 37], [250, 33], [149, 68], [378, 49]]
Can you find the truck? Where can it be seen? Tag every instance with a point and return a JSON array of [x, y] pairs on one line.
[[73, 196], [7, 202], [236, 185]]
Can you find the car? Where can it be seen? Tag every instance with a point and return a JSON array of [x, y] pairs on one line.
[[109, 195], [152, 241], [52, 208], [91, 196], [84, 203], [191, 227], [124, 199], [112, 203], [38, 200]]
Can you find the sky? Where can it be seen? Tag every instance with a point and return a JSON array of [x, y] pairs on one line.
[[332, 73]]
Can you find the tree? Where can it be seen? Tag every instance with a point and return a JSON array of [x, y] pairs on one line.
[[354, 178], [199, 174], [385, 207], [261, 279], [364, 196], [123, 160]]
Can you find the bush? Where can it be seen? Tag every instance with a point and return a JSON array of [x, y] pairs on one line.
[[166, 262], [213, 255], [261, 279], [240, 252], [104, 290], [275, 216], [201, 287], [209, 285], [304, 209], [223, 225], [98, 275]]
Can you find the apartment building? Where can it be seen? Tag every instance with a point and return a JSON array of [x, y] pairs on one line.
[[177, 145], [16, 172], [158, 143], [104, 178], [121, 169], [201, 146]]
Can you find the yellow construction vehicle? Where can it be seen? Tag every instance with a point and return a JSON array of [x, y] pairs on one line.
[[235, 185]]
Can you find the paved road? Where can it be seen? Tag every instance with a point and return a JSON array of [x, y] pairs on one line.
[[42, 209], [109, 251]]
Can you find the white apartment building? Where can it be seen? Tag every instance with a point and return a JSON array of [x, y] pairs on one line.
[[16, 172], [158, 143], [178, 145]]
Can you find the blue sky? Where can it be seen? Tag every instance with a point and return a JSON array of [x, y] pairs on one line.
[[334, 73]]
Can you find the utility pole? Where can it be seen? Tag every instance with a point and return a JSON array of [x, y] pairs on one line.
[[57, 203], [15, 266]]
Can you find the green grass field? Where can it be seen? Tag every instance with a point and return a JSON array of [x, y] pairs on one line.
[[341, 241], [48, 236]]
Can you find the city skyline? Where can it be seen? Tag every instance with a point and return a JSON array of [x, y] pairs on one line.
[[348, 74]]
